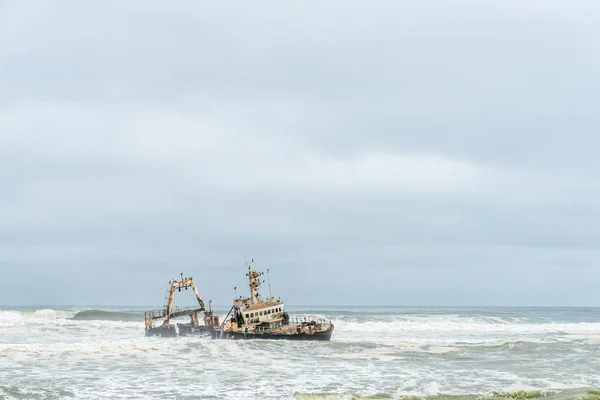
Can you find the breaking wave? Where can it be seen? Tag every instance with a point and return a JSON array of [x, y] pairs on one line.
[[102, 315], [464, 331], [13, 317], [465, 325]]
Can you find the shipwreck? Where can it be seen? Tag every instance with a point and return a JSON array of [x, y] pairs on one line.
[[252, 317], [257, 318], [159, 322]]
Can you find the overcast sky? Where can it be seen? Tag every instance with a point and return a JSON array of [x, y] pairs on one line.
[[374, 152]]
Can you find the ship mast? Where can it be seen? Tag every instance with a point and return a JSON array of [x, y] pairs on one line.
[[254, 283]]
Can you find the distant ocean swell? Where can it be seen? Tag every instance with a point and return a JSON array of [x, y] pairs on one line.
[[101, 315]]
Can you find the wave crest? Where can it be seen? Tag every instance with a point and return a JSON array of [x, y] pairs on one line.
[[102, 315]]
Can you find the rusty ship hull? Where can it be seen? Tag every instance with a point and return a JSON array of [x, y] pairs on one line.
[[181, 330], [319, 336]]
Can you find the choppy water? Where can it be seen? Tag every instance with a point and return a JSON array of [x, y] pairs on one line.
[[381, 352]]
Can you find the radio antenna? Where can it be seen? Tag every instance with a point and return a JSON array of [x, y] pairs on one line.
[[269, 277]]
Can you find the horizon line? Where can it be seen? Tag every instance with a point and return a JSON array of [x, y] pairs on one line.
[[4, 306]]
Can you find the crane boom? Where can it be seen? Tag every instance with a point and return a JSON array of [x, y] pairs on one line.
[[177, 285], [169, 312]]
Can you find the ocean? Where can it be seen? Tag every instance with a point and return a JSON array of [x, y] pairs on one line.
[[375, 352]]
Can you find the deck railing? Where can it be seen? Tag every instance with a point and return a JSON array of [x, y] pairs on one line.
[[300, 319], [175, 312]]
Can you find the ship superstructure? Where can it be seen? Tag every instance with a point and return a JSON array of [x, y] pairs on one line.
[[256, 317]]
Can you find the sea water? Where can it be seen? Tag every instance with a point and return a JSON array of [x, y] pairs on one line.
[[375, 352]]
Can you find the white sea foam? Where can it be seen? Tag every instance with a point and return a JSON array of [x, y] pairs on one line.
[[452, 326], [453, 329], [394, 354]]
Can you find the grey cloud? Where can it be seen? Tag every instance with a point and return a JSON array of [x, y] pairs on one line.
[[412, 152]]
